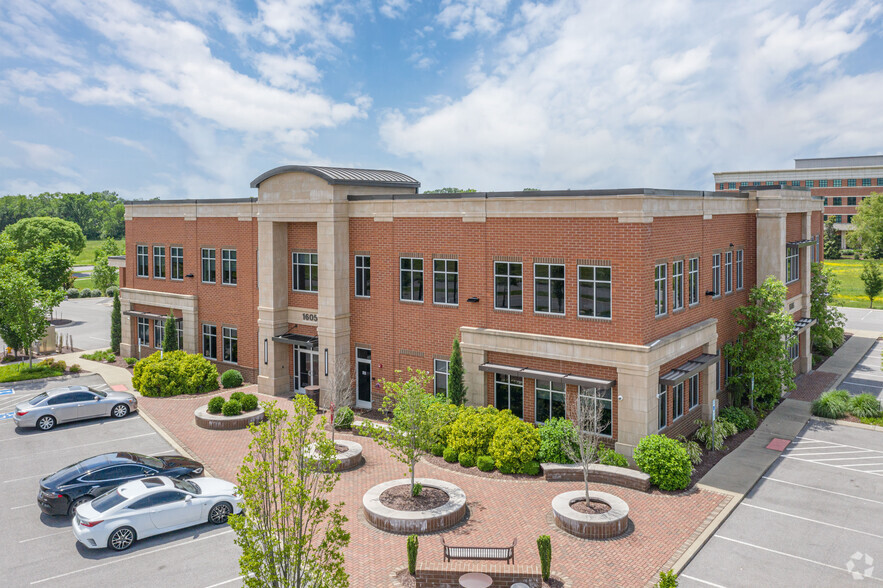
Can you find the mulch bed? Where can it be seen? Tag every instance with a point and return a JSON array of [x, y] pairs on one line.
[[409, 581], [399, 498], [473, 471], [594, 507], [341, 448]]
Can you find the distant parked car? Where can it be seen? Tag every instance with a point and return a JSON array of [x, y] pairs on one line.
[[151, 506], [72, 403], [62, 492]]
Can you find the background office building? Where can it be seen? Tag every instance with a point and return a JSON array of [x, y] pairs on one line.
[[624, 296]]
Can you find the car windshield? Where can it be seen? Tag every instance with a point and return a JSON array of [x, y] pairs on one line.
[[186, 486], [98, 392], [38, 398], [108, 500], [151, 461]]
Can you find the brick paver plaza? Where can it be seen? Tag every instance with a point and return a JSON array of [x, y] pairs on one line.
[[499, 510]]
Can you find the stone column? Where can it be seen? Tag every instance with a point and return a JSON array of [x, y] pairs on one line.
[[127, 343], [332, 237], [637, 411], [273, 378], [708, 383], [804, 363], [770, 244], [475, 379], [191, 330]]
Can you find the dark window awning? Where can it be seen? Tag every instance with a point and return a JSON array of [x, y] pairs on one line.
[[308, 341], [801, 243], [800, 325], [688, 369], [147, 315], [556, 377]]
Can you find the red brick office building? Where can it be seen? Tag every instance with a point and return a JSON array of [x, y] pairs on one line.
[[621, 295]]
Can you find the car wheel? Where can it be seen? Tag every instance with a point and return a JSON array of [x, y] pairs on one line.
[[119, 411], [219, 513], [46, 423], [73, 507], [121, 539]]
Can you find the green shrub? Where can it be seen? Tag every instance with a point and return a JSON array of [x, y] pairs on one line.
[[111, 291], [216, 404], [85, 293], [75, 368], [735, 415], [694, 451], [101, 355], [231, 379], [61, 364], [237, 396], [443, 414], [73, 293], [178, 372], [231, 408], [344, 417], [531, 468], [467, 460], [544, 546], [485, 463], [554, 433], [413, 544], [131, 360], [437, 450], [417, 489], [665, 461], [713, 437], [451, 455], [752, 417], [861, 406], [609, 457], [249, 402], [96, 293], [831, 405], [515, 443], [667, 579], [474, 428]]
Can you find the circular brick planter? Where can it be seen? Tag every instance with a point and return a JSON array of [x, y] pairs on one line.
[[591, 526], [420, 521], [219, 422], [349, 459]]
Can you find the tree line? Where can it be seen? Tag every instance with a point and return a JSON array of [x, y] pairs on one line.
[[99, 214]]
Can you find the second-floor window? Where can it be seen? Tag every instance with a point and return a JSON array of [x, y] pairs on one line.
[[728, 272], [548, 287], [228, 267], [508, 285], [305, 272], [363, 276], [716, 274], [740, 267], [660, 289], [411, 279], [677, 285], [594, 291], [792, 264], [208, 266], [693, 280], [159, 261], [445, 281], [143, 261], [176, 263]]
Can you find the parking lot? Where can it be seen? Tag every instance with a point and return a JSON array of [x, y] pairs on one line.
[[39, 550], [867, 375], [812, 520]]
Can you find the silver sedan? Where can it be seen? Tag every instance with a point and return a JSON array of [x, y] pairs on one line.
[[72, 403]]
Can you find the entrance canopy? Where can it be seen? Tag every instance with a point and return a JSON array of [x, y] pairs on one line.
[[557, 377], [688, 369], [306, 341]]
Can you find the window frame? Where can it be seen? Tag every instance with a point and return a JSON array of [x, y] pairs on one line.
[[233, 340], [850, 183], [677, 285], [509, 385], [728, 271], [716, 275], [740, 269], [693, 280], [228, 266], [176, 263], [594, 283], [660, 286], [142, 251], [212, 335], [212, 267], [823, 183], [602, 395], [549, 283], [866, 182], [794, 349], [159, 329], [693, 387], [145, 323], [363, 271], [792, 264], [159, 253], [851, 201], [446, 276], [411, 274], [509, 277], [438, 373], [838, 183], [310, 278], [677, 401], [550, 387], [662, 407]]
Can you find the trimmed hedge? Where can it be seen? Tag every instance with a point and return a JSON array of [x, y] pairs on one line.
[[467, 460], [665, 460], [73, 293], [485, 463], [237, 396], [232, 408], [515, 444], [231, 379], [249, 402], [609, 457], [216, 404], [178, 372], [450, 454]]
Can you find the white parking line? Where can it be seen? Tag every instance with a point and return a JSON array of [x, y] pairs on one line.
[[785, 514], [105, 423], [816, 489], [26, 478], [836, 444], [133, 556], [225, 582], [846, 458], [22, 506], [44, 536], [695, 579], [830, 465], [833, 452], [110, 440]]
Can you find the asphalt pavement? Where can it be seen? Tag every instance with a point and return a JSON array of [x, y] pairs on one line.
[[90, 326]]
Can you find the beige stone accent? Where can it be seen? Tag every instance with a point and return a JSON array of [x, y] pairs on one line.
[[273, 378], [186, 303]]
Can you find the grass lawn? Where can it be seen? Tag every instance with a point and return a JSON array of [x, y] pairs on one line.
[[81, 283], [87, 255], [852, 289], [20, 371]]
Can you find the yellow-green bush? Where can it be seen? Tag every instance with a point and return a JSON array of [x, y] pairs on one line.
[[444, 415], [474, 428], [177, 372], [515, 444]]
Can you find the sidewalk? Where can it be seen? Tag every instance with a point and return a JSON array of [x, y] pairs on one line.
[[113, 375]]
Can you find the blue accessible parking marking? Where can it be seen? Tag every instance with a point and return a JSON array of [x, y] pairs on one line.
[[7, 392], [7, 415]]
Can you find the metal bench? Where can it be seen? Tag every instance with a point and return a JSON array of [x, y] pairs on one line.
[[494, 553]]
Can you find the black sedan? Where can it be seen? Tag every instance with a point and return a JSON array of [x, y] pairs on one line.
[[66, 489]]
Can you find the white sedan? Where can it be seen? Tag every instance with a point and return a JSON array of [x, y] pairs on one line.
[[151, 506]]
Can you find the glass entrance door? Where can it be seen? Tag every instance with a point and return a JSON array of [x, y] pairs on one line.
[[306, 369], [363, 377]]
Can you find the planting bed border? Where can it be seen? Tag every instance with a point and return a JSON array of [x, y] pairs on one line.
[[591, 526], [219, 422], [349, 459], [419, 521]]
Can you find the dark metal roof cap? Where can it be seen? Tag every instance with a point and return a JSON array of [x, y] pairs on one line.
[[345, 176]]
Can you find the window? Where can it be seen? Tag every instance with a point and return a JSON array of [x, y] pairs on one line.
[[660, 289], [693, 280], [809, 183], [740, 266], [208, 266], [508, 285], [731, 185], [363, 276], [440, 367], [176, 267], [721, 185], [794, 349], [677, 285], [210, 341], [179, 328], [305, 272], [445, 276], [662, 406], [783, 183], [837, 201], [866, 181], [743, 183], [795, 182], [230, 344], [728, 272], [850, 200], [159, 261], [594, 287], [792, 264], [716, 274], [550, 400], [694, 391], [158, 330], [849, 219], [677, 401], [509, 393], [411, 277], [143, 331], [850, 183], [142, 263], [770, 183], [548, 288], [880, 181], [228, 267], [838, 183], [757, 183], [603, 399], [823, 183]]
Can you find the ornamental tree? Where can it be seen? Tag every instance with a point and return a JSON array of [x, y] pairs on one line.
[[289, 532], [827, 333], [456, 386], [116, 324], [50, 266], [582, 447], [873, 281], [760, 354], [45, 231], [24, 312]]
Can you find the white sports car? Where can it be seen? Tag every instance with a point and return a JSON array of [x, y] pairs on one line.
[[151, 506]]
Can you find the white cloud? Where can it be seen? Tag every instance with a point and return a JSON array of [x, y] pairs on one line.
[[45, 157], [290, 72], [131, 144], [465, 17], [287, 21], [394, 8]]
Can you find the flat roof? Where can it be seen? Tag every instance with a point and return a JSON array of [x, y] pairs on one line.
[[193, 201], [559, 194], [849, 161], [345, 175]]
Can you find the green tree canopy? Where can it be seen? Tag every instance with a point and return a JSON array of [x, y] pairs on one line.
[[456, 387], [99, 214], [25, 309], [50, 266], [831, 240], [868, 227], [45, 231], [449, 191], [873, 281], [170, 334]]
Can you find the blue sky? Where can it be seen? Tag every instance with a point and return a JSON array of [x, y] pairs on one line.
[[195, 98]]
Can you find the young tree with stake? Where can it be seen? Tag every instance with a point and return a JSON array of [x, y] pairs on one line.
[[583, 447]]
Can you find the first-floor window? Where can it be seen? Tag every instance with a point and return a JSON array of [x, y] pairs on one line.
[[231, 344], [694, 391], [441, 377], [179, 324], [509, 393], [210, 341], [677, 401], [158, 331], [550, 400], [794, 349], [663, 406], [601, 399], [143, 331]]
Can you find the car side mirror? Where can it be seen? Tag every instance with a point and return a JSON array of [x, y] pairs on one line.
[[188, 498]]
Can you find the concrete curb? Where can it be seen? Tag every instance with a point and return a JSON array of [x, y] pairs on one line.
[[864, 426], [171, 440], [710, 527]]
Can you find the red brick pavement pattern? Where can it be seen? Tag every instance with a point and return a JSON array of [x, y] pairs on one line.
[[811, 386], [499, 510]]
